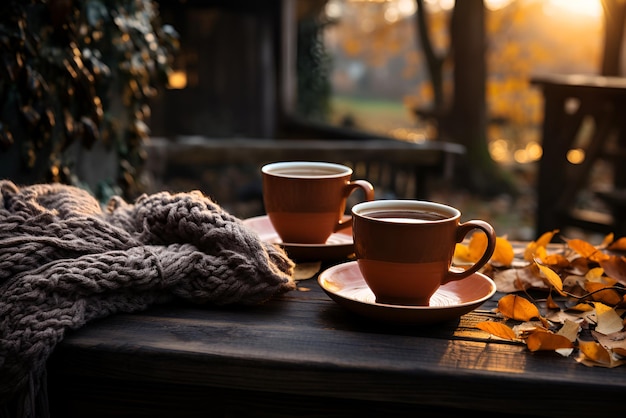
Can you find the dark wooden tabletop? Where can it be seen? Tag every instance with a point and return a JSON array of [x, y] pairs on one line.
[[301, 354]]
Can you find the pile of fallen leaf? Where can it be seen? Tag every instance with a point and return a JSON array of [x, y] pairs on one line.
[[569, 298]]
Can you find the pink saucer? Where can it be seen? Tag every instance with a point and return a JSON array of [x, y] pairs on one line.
[[338, 246], [346, 286]]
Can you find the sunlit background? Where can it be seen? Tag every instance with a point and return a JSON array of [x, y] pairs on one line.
[[375, 83]]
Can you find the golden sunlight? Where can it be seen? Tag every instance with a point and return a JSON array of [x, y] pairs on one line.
[[582, 8], [177, 80], [576, 156]]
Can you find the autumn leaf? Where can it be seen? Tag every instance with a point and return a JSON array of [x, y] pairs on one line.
[[462, 253], [592, 279], [516, 279], [586, 250], [615, 267], [555, 260], [615, 342], [619, 245], [477, 246], [552, 278], [497, 329], [608, 320], [581, 307], [503, 254], [517, 308], [595, 352], [602, 292], [569, 330], [594, 273], [542, 242], [608, 240], [540, 340], [550, 303]]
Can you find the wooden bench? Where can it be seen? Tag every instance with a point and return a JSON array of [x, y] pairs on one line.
[[396, 168], [587, 112]]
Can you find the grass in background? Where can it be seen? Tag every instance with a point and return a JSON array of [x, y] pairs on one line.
[[371, 115]]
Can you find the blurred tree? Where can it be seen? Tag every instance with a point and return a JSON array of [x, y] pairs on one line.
[[614, 19], [463, 119]]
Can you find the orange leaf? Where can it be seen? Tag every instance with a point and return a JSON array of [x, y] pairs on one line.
[[461, 252], [518, 308], [608, 296], [503, 254], [498, 329], [581, 307], [477, 246], [546, 237], [594, 273], [586, 250], [544, 341], [619, 245], [555, 260], [595, 352]]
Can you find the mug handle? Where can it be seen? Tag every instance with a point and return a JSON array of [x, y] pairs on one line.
[[351, 186], [462, 230]]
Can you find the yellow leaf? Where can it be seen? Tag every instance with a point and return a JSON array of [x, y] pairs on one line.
[[540, 340], [503, 253], [594, 273], [540, 253], [553, 279], [498, 329], [461, 252], [595, 352], [542, 242], [581, 307], [546, 238], [518, 308], [477, 246], [608, 320]]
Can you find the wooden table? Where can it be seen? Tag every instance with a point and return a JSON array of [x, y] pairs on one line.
[[301, 354]]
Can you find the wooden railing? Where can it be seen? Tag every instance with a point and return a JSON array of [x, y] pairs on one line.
[[229, 169]]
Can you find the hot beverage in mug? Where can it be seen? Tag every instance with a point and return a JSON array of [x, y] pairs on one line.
[[404, 248], [306, 201]]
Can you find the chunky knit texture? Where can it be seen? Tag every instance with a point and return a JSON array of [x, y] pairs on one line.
[[65, 261]]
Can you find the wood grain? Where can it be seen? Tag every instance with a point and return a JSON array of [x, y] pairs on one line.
[[302, 354]]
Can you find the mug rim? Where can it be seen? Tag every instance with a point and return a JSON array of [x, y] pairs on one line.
[[342, 170], [363, 209]]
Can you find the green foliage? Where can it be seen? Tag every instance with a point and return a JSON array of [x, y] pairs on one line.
[[75, 74], [314, 67]]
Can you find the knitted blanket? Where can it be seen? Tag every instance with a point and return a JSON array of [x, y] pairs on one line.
[[64, 261]]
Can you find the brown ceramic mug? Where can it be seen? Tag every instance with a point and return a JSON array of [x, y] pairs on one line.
[[306, 201], [404, 248]]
